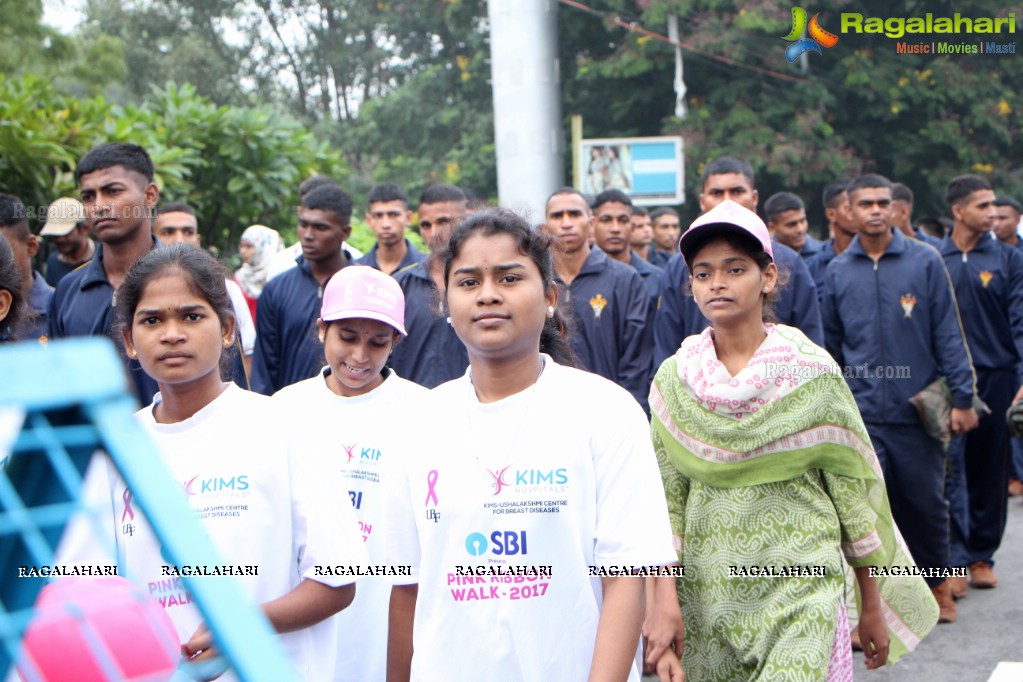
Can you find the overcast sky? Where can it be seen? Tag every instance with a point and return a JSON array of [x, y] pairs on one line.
[[63, 15]]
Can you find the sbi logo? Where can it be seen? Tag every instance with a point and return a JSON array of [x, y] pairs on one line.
[[504, 543]]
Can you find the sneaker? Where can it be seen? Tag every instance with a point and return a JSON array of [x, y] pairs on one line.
[[957, 586], [946, 604], [1015, 488], [981, 575]]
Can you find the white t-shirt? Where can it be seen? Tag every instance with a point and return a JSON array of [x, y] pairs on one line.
[[360, 435], [246, 327], [562, 475], [263, 503]]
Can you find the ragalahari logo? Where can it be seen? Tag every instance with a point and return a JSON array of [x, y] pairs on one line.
[[818, 36]]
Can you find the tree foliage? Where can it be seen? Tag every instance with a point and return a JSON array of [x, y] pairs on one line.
[[859, 107], [236, 166]]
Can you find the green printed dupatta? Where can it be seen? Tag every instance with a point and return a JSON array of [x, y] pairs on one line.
[[787, 412]]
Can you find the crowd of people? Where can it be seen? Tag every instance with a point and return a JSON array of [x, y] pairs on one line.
[[603, 390]]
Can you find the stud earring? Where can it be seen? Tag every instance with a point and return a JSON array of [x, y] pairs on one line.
[[550, 311], [449, 320], [133, 354]]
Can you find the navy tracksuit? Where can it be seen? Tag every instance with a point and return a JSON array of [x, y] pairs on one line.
[[288, 347], [432, 353], [892, 325], [989, 286], [412, 256], [678, 316], [83, 305], [611, 336]]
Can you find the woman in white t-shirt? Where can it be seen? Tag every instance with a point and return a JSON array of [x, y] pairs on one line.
[[361, 320], [272, 514], [533, 487]]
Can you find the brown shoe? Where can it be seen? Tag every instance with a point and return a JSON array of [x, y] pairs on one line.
[[981, 575], [946, 605], [957, 586], [854, 637], [1015, 488]]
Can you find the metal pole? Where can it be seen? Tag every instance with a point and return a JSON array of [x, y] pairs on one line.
[[527, 102]]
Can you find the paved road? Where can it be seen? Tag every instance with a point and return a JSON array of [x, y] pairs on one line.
[[989, 628]]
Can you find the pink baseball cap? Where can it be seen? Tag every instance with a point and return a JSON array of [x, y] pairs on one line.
[[727, 217], [362, 291]]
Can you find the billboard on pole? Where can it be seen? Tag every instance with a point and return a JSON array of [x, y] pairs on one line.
[[648, 169]]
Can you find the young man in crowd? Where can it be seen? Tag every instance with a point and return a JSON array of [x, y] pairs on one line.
[[37, 293], [902, 215], [729, 177], [288, 349], [1007, 214], [667, 232], [388, 216], [890, 322], [432, 353], [119, 196], [609, 301], [787, 223], [613, 228], [988, 280], [641, 237], [68, 232]]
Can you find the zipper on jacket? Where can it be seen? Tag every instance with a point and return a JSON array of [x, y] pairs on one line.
[[880, 335]]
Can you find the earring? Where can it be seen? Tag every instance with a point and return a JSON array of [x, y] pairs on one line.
[[227, 342], [449, 320], [133, 354], [550, 311]]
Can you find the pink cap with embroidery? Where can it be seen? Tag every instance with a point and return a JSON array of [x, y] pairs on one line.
[[727, 217], [359, 291]]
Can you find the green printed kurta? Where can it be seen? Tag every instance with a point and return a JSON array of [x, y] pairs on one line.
[[772, 470]]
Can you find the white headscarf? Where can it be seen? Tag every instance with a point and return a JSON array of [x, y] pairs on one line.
[[252, 275]]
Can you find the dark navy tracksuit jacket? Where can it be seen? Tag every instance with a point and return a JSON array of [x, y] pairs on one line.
[[83, 305], [288, 347], [432, 353]]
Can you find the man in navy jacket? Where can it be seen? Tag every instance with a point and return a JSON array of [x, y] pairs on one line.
[[988, 279], [729, 177], [116, 184], [288, 348], [609, 300], [890, 321]]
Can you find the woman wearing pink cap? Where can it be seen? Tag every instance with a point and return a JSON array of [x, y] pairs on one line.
[[355, 400], [770, 479]]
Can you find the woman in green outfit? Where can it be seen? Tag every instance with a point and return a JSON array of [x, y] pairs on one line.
[[771, 479]]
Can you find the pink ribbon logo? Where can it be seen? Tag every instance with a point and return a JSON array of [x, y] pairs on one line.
[[431, 493], [127, 506]]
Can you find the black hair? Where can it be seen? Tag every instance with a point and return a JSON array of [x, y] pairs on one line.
[[727, 164], [568, 190], [962, 186], [936, 227], [176, 207], [834, 190], [554, 338], [12, 211], [329, 198], [129, 156], [13, 217], [439, 194], [309, 184], [868, 181], [1010, 202], [754, 250], [386, 192], [206, 277], [639, 211], [781, 202], [901, 192], [657, 213], [10, 280], [610, 195]]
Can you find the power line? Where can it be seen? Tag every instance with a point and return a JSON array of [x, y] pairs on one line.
[[635, 27]]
